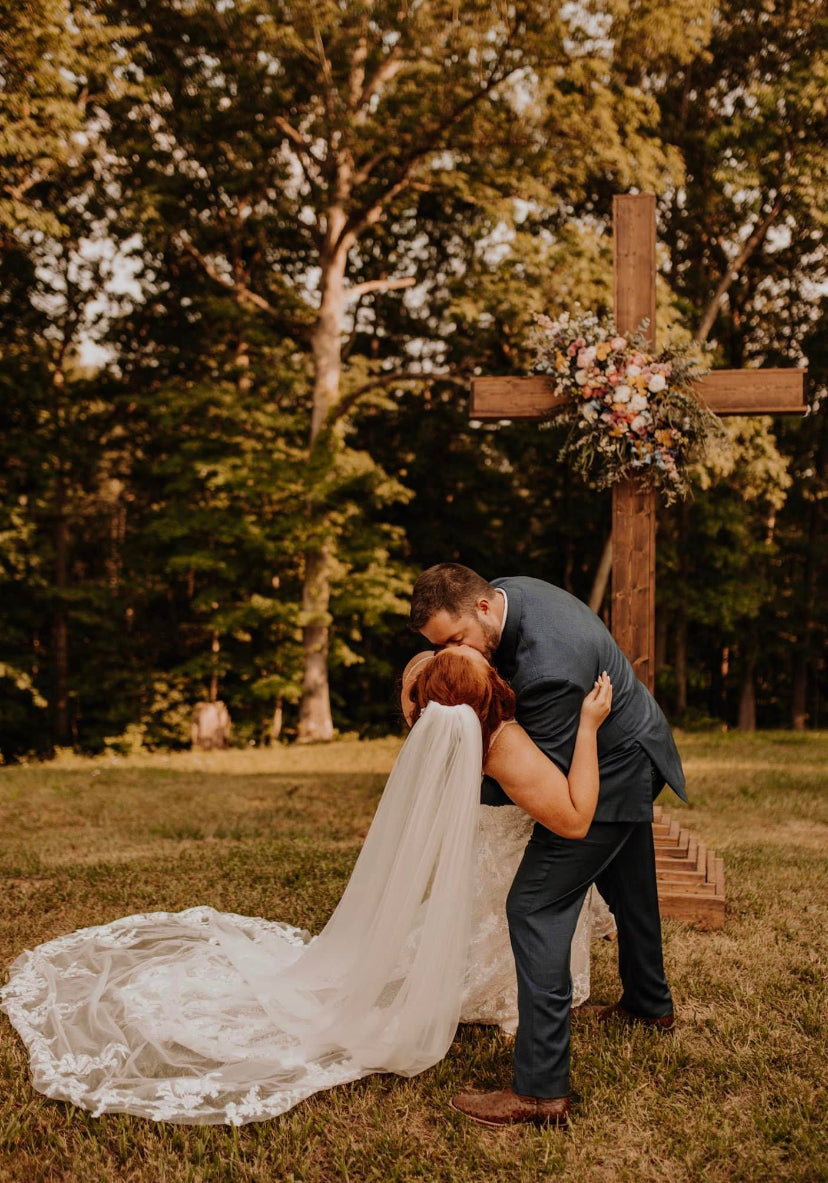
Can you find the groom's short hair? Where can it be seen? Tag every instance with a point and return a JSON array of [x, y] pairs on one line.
[[450, 586]]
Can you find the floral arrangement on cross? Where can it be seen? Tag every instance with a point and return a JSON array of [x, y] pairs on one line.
[[630, 411]]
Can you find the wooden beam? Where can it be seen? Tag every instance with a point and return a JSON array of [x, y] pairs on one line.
[[514, 398], [633, 576], [634, 509], [753, 392], [727, 392], [634, 262]]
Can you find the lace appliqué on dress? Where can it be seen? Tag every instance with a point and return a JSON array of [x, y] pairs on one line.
[[490, 994]]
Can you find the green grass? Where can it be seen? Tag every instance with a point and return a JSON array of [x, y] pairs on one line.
[[739, 1094]]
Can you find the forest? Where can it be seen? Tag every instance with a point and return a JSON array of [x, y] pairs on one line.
[[252, 254]]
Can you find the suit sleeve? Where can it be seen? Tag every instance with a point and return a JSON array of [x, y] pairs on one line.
[[550, 712]]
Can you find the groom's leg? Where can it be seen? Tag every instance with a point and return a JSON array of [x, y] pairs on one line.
[[542, 908], [628, 884]]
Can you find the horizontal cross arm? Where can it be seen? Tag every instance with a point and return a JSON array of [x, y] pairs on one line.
[[727, 392], [753, 392]]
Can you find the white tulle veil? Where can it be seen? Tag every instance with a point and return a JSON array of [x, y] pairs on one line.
[[205, 1017]]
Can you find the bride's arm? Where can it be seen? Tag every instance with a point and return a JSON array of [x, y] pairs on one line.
[[563, 804]]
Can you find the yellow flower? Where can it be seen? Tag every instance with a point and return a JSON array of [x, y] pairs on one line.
[[561, 362], [603, 351], [664, 437]]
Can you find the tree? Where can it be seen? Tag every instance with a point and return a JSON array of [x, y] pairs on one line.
[[320, 139], [57, 59]]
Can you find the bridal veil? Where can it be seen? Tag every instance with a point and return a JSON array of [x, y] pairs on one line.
[[204, 1017]]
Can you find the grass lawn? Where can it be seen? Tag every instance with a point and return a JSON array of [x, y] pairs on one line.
[[739, 1094]]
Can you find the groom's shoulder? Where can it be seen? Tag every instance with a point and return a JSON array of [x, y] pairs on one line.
[[525, 583], [535, 589], [549, 610]]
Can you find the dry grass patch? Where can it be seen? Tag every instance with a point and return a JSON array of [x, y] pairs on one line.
[[738, 1095]]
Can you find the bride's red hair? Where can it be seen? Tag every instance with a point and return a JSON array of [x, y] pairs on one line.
[[454, 679]]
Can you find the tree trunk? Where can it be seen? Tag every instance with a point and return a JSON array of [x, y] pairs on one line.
[[662, 632], [602, 575], [60, 624], [802, 655], [680, 660], [799, 692], [215, 648], [747, 696], [719, 670], [680, 657], [315, 722], [569, 563], [277, 720], [734, 269]]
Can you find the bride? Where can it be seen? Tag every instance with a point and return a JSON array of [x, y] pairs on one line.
[[205, 1017]]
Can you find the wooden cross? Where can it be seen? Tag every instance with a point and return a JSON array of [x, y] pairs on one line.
[[727, 392]]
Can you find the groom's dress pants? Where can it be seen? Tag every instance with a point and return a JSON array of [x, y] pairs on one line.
[[542, 909]]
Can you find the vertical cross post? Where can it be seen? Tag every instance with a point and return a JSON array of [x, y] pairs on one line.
[[633, 508]]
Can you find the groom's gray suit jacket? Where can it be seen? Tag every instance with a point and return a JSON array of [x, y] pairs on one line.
[[552, 649]]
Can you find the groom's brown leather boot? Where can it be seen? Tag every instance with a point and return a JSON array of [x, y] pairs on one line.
[[506, 1107], [664, 1024]]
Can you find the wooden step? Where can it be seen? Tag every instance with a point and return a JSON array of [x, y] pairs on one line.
[[695, 875], [690, 877]]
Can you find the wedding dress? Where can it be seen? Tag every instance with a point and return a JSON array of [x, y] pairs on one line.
[[205, 1017]]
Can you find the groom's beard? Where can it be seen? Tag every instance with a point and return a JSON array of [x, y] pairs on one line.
[[491, 637]]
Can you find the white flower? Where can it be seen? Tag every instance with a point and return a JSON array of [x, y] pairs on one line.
[[589, 413], [581, 377], [657, 383], [638, 402], [638, 422], [619, 343], [621, 394], [586, 357], [633, 371]]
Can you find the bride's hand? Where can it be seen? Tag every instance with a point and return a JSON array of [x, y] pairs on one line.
[[598, 703]]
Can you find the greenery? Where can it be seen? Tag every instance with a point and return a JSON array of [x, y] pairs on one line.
[[294, 234], [738, 1095]]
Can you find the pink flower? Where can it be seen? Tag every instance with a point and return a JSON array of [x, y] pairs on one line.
[[618, 343]]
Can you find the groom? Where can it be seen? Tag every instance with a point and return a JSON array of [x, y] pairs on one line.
[[551, 647]]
